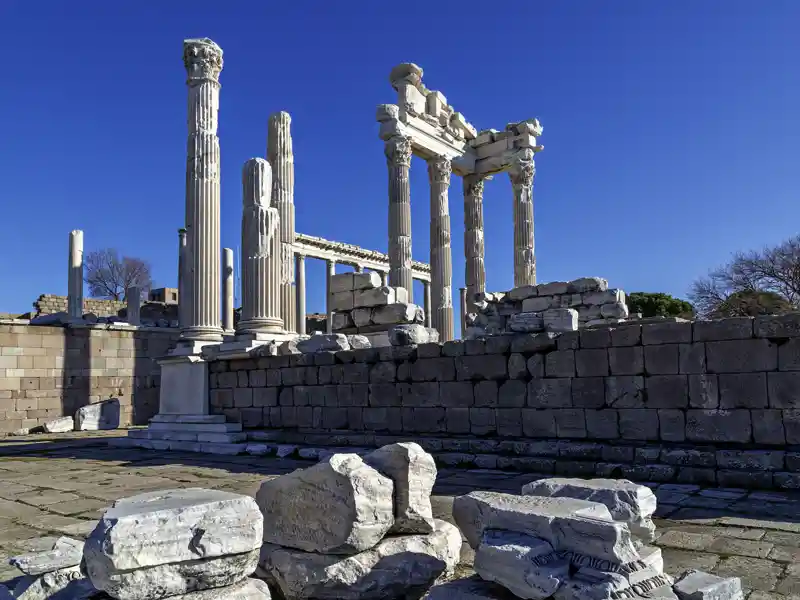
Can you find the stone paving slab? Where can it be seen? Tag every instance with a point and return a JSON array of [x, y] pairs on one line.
[[60, 484]]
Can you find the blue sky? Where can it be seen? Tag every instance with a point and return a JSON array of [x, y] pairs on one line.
[[670, 127]]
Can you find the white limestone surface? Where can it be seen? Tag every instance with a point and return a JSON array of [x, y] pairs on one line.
[[69, 583], [697, 585], [338, 506], [60, 425], [101, 415], [66, 552], [172, 526], [324, 343], [398, 567], [413, 472]]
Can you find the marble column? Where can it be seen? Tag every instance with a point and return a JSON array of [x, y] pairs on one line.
[[384, 278], [439, 170], [261, 253], [227, 289], [182, 262], [133, 296], [281, 158], [398, 160], [300, 292], [203, 61], [475, 270], [426, 291], [330, 271], [463, 307], [358, 268], [75, 275], [521, 174]]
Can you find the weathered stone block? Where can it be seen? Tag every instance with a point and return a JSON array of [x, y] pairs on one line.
[[380, 296], [625, 391], [482, 421], [743, 390], [569, 340], [526, 322], [398, 313], [595, 338], [560, 363], [456, 394], [768, 427], [549, 393], [587, 284], [490, 366], [778, 326], [433, 369], [697, 585], [517, 367], [733, 328], [509, 422], [741, 356], [602, 424], [672, 425], [626, 360], [666, 333], [592, 362], [588, 392], [718, 425], [570, 422], [411, 335], [626, 335], [661, 360], [535, 365], [638, 424], [486, 393], [530, 343], [743, 460], [692, 358], [703, 391], [537, 304], [538, 423], [667, 391], [560, 319], [521, 293], [783, 390], [101, 415], [511, 394]]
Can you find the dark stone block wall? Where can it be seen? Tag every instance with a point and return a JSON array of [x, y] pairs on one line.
[[715, 402]]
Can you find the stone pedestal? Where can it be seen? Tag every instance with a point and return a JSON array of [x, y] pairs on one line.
[[300, 291], [521, 173], [75, 275], [475, 271], [133, 296], [441, 305], [281, 158], [227, 289], [203, 61], [398, 161]]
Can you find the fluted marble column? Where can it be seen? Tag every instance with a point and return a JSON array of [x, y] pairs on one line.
[[227, 289], [75, 275], [384, 278], [463, 307], [330, 271], [521, 174], [300, 292], [261, 252], [441, 309], [203, 61], [426, 293], [475, 270], [281, 158], [182, 262], [398, 160], [133, 298]]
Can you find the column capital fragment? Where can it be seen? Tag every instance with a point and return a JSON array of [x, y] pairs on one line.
[[522, 167], [398, 151], [439, 170], [202, 59]]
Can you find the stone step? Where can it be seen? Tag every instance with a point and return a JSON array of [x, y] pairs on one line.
[[200, 419], [197, 427], [179, 446]]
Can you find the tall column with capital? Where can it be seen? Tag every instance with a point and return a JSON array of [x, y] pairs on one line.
[[475, 271], [261, 252], [227, 290], [398, 160], [441, 309], [521, 174], [281, 158], [182, 262], [300, 292], [330, 271], [75, 275], [203, 61]]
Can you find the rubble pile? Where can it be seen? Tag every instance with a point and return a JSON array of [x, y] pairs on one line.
[[52, 573], [557, 306], [356, 528]]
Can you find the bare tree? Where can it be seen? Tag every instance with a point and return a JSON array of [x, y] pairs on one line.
[[108, 275], [769, 273]]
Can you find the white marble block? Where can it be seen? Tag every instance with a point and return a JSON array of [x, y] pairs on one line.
[[351, 499], [249, 589], [411, 334], [341, 282], [60, 425], [697, 585], [342, 301], [101, 415], [413, 472], [66, 552], [380, 296], [559, 320], [330, 342], [366, 280], [526, 322], [397, 313]]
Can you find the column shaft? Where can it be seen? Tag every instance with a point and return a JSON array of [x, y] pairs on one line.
[[300, 279], [426, 290], [398, 160], [384, 278], [475, 271], [330, 271], [203, 61], [227, 289], [182, 293], [441, 257], [75, 275], [521, 174], [281, 157], [133, 296], [463, 307], [261, 252]]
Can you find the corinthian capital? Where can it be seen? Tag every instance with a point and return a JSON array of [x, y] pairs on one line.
[[522, 168], [398, 151], [473, 186], [202, 59], [439, 170]]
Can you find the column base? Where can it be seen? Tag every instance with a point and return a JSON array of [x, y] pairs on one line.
[[202, 334], [208, 434]]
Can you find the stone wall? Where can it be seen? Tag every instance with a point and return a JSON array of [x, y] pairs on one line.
[[715, 402], [47, 304], [49, 372]]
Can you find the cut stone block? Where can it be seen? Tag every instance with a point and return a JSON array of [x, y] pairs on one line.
[[527, 566], [526, 322], [362, 317], [249, 589], [697, 585], [342, 301], [351, 499], [412, 334], [413, 472], [380, 296], [587, 284], [332, 342], [358, 342], [626, 501], [102, 415], [341, 282], [537, 304], [65, 553], [468, 588], [398, 313], [593, 584], [342, 320], [160, 581], [398, 567], [60, 425], [69, 584], [566, 523], [171, 526], [367, 280], [560, 319]]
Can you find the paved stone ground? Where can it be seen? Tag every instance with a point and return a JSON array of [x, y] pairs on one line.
[[60, 484]]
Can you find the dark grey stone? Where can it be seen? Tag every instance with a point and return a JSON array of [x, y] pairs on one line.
[[768, 427], [457, 420], [741, 356], [638, 424], [595, 338], [570, 422], [627, 335], [512, 393], [429, 350], [538, 423], [549, 393], [433, 369], [759, 460], [588, 392], [743, 390], [482, 421], [718, 425], [625, 391], [592, 362], [517, 367], [509, 422], [688, 457], [559, 364], [489, 366], [734, 328], [703, 391], [783, 390], [602, 424], [672, 425], [626, 360], [666, 333], [486, 393], [535, 365], [692, 358], [453, 348], [568, 340], [661, 360], [778, 326], [667, 391], [456, 394]]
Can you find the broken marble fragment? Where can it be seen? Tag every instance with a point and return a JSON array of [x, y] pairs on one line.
[[66, 584], [697, 585], [66, 552]]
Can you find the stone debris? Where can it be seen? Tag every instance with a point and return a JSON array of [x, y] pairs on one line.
[[359, 342], [101, 415], [469, 588], [66, 552], [332, 342], [354, 500], [174, 542], [396, 567], [54, 573], [60, 425], [626, 501], [249, 589], [697, 585], [411, 335], [413, 472]]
